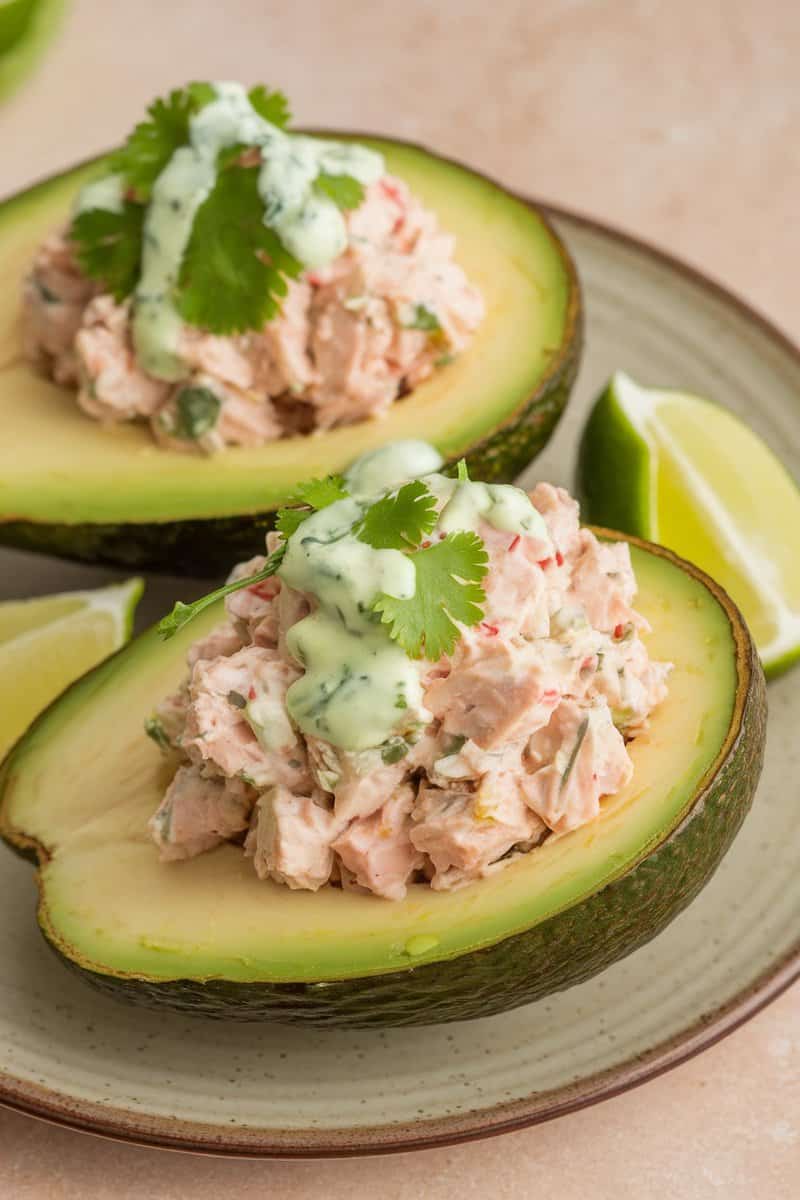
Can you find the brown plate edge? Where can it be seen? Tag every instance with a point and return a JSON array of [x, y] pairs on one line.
[[174, 1134]]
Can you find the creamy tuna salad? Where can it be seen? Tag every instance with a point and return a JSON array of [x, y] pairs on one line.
[[233, 283], [423, 679]]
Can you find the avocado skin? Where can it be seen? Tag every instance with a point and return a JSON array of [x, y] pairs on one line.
[[560, 952], [208, 547]]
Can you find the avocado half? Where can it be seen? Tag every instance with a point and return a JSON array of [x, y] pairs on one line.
[[207, 937], [73, 487]]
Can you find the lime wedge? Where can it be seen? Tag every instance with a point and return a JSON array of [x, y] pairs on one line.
[[682, 471], [47, 643], [26, 26]]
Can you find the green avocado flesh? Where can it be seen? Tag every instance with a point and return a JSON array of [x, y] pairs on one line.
[[207, 936], [69, 485]]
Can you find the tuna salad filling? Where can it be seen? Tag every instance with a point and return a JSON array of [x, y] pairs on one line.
[[350, 295], [436, 677]]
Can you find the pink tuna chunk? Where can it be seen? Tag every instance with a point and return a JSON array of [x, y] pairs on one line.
[[113, 385], [463, 833], [560, 514], [54, 295], [603, 583], [359, 781], [377, 850], [350, 353], [223, 641], [290, 839], [517, 598], [198, 813], [575, 760], [237, 721], [254, 610], [492, 698], [279, 354]]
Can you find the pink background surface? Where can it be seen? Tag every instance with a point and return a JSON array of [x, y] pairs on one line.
[[674, 119]]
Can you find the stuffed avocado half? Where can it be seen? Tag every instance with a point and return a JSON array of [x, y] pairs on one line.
[[207, 936], [105, 492]]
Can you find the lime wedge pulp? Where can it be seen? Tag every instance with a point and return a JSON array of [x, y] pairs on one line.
[[46, 643], [682, 471]]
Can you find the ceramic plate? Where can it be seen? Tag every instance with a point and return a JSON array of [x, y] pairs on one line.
[[77, 1058]]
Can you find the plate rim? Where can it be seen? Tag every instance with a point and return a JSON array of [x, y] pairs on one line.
[[164, 1132]]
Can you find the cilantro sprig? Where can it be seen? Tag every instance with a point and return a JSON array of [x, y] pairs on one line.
[[449, 571], [310, 497], [235, 271], [183, 613]]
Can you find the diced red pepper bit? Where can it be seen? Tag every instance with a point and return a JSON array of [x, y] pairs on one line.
[[544, 563], [426, 544], [398, 225], [618, 631], [313, 278], [550, 695], [251, 695], [514, 543], [559, 559], [390, 190], [587, 662], [491, 630], [265, 589]]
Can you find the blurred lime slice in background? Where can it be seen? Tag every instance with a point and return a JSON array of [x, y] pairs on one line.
[[26, 27], [47, 643], [680, 470]]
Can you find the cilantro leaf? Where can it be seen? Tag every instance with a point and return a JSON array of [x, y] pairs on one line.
[[109, 246], [234, 271], [343, 190], [272, 106], [424, 318], [400, 520], [449, 589], [313, 495], [153, 142]]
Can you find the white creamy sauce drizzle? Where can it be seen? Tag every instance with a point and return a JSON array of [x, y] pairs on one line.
[[107, 193], [392, 465], [308, 223], [359, 687]]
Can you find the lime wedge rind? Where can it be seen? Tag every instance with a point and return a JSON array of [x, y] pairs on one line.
[[628, 449]]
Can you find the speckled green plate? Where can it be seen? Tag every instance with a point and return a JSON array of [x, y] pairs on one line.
[[69, 1055]]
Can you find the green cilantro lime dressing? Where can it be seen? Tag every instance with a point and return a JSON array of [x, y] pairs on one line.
[[353, 671], [359, 687], [499, 504], [392, 465], [309, 224]]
